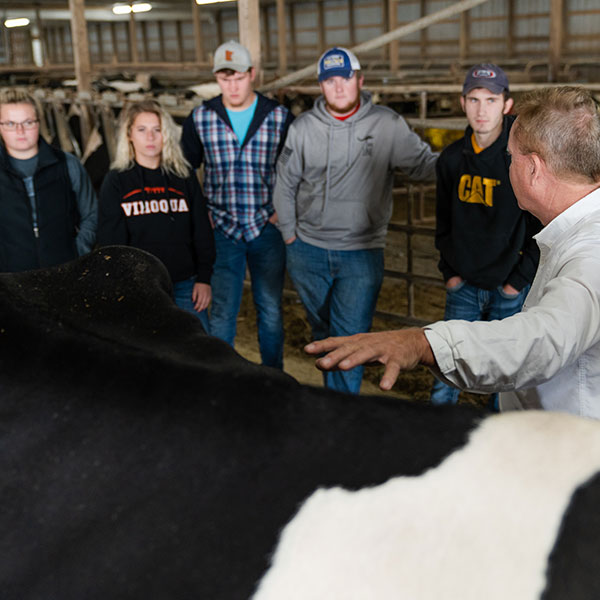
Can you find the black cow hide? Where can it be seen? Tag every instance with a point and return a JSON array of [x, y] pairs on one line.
[[140, 458]]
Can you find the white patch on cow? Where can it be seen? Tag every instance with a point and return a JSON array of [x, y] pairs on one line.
[[205, 90], [479, 526]]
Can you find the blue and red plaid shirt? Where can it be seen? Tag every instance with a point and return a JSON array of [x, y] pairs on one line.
[[238, 178]]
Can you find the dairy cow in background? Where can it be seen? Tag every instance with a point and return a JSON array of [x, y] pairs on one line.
[[141, 459]]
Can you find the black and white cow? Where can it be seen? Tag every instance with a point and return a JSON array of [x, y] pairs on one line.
[[141, 459]]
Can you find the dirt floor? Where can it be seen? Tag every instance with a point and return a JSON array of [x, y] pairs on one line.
[[414, 385]]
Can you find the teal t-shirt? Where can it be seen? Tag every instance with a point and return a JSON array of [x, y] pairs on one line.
[[241, 119]]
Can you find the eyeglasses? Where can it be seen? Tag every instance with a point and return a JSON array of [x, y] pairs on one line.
[[11, 125]]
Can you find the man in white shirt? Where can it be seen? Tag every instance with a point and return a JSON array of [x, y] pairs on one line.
[[548, 356]]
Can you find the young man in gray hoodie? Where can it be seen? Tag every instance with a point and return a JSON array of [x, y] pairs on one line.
[[333, 198]]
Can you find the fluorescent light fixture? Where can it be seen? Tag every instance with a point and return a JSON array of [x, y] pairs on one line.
[[141, 7], [125, 9], [22, 22], [121, 9], [212, 1]]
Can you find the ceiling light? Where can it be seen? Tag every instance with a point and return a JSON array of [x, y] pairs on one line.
[[212, 1], [16, 22], [141, 7], [125, 9]]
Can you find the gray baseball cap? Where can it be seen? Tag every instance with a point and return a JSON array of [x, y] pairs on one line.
[[232, 55], [488, 76]]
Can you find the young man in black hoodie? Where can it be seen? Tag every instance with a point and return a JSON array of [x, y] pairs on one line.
[[237, 136], [487, 255]]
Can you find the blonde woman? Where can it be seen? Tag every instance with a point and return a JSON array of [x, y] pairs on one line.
[[150, 199]]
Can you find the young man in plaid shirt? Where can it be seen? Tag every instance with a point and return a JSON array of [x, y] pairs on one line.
[[238, 136]]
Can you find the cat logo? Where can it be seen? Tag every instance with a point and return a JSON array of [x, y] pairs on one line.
[[477, 190]]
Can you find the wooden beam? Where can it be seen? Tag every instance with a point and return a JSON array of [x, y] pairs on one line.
[[382, 40], [219, 26], [98, 29], [249, 28], [197, 33], [293, 32], [556, 38], [81, 49], [392, 24], [281, 38], [423, 40]]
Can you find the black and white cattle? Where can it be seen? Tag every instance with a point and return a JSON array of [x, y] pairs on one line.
[[141, 459]]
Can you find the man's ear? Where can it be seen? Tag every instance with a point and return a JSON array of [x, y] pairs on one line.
[[361, 80], [462, 103], [252, 72], [537, 167], [508, 104]]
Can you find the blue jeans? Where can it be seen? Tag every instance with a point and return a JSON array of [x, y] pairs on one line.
[[182, 292], [265, 257], [471, 303], [339, 290]]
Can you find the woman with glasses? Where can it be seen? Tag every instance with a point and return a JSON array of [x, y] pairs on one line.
[[49, 208], [151, 199]]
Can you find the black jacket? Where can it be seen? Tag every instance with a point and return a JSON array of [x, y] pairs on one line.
[[191, 144], [162, 214], [481, 232], [22, 248]]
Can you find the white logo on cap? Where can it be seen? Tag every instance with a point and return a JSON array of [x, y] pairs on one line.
[[333, 61], [487, 73]]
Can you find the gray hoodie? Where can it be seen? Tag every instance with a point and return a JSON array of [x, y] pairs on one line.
[[334, 178]]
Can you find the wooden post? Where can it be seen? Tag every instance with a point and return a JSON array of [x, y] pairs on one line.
[[41, 36], [179, 34], [249, 28], [556, 38], [200, 58], [266, 33], [133, 48], [510, 29], [351, 22], [293, 33], [99, 38], [281, 38], [161, 40], [392, 24], [144, 30], [320, 27], [81, 49], [113, 42], [219, 26], [423, 40], [464, 41]]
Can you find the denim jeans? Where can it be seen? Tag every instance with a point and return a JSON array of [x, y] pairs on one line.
[[182, 292], [339, 290], [471, 303], [265, 257]]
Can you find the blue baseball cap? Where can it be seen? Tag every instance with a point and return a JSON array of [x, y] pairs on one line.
[[337, 61], [488, 76]]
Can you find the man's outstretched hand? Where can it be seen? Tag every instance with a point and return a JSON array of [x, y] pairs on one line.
[[399, 350]]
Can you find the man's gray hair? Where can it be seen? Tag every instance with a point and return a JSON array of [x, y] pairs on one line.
[[562, 126]]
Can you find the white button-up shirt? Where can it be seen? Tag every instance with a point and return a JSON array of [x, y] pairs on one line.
[[547, 356]]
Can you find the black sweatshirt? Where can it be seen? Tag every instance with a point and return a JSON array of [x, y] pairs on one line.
[[162, 214], [481, 232]]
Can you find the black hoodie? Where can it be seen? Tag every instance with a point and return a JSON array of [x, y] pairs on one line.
[[162, 214], [481, 232]]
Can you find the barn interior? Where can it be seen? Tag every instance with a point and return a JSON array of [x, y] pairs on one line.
[[83, 59]]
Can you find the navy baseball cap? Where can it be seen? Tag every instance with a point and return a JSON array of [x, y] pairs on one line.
[[488, 76], [337, 61]]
